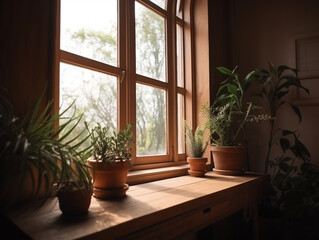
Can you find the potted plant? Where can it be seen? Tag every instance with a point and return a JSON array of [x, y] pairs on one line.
[[226, 120], [197, 146], [77, 185], [111, 161], [35, 159]]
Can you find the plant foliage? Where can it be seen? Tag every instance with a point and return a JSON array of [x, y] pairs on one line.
[[277, 83], [195, 141], [111, 147], [228, 115], [35, 140], [294, 180]]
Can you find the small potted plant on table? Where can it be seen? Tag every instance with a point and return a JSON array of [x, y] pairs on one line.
[[35, 159], [111, 161], [226, 119], [197, 146], [75, 192]]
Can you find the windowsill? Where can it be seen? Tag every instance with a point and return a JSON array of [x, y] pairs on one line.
[[148, 175]]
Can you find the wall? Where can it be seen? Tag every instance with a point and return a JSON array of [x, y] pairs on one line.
[[26, 49], [262, 31]]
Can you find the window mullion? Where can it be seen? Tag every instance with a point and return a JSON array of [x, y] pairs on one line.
[[130, 106], [171, 75], [122, 63]]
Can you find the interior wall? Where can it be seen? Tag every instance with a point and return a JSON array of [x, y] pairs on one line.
[[266, 30], [26, 50]]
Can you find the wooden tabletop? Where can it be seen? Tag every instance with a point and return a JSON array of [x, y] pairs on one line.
[[145, 205]]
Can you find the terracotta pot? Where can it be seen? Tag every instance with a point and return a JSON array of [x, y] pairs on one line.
[[109, 179], [229, 160], [197, 166], [75, 202]]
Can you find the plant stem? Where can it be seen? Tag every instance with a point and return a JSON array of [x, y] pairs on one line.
[[242, 123], [269, 144]]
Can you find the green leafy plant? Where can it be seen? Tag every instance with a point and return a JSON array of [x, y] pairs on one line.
[[110, 148], [33, 146], [277, 83], [294, 180], [228, 115], [195, 140]]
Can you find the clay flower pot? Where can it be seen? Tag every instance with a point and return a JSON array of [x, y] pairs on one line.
[[229, 160], [197, 166], [109, 179], [74, 201]]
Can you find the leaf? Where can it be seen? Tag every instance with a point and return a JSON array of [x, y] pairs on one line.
[[286, 159], [296, 111], [284, 144], [232, 89], [272, 69], [287, 132], [226, 71], [285, 167], [270, 95], [279, 179], [281, 94], [305, 154], [252, 76], [283, 68], [292, 81], [264, 71], [271, 163]]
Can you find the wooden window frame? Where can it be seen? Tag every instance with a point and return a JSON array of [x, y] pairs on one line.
[[127, 77]]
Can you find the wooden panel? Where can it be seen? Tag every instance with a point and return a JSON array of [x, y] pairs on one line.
[[26, 42], [307, 62], [156, 209], [307, 52]]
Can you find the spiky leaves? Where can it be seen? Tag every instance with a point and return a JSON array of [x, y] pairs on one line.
[[195, 140], [34, 145]]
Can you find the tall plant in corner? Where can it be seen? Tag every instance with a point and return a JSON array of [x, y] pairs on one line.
[[278, 82], [294, 180]]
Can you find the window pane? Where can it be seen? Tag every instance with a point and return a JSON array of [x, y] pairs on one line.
[[150, 120], [179, 8], [150, 43], [180, 123], [89, 29], [160, 3], [179, 56], [94, 93]]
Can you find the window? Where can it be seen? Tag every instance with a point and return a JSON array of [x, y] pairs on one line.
[[123, 62]]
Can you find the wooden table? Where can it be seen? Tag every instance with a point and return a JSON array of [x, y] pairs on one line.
[[161, 209]]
